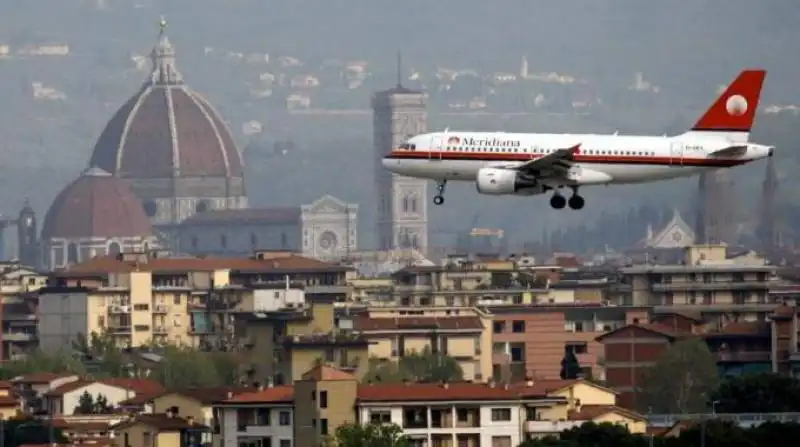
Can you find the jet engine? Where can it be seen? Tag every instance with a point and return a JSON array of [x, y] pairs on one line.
[[496, 182]]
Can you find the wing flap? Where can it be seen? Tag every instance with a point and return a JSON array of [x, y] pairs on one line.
[[560, 160]]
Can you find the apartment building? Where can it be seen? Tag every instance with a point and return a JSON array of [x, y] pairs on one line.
[[464, 337], [738, 347], [707, 282], [530, 341], [441, 415], [138, 298], [18, 287]]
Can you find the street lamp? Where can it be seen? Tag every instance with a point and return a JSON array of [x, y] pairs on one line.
[[703, 428]]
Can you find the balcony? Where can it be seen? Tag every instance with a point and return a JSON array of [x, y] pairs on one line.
[[18, 336], [743, 356], [550, 427], [159, 330], [160, 309], [710, 286], [119, 330], [119, 309]]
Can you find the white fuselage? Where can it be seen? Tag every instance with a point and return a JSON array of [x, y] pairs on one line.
[[603, 159]]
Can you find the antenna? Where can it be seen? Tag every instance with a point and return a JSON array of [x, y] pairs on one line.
[[399, 69]]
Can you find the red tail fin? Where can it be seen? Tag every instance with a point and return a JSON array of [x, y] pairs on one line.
[[735, 109]]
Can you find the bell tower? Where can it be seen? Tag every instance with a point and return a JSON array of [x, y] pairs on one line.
[[398, 114], [27, 240]]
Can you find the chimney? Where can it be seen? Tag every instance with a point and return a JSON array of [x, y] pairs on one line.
[[445, 385], [170, 413], [529, 381], [505, 386], [270, 383], [492, 383], [190, 420], [230, 394]]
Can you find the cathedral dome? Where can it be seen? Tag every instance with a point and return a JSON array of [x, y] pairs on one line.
[[97, 205], [167, 130]]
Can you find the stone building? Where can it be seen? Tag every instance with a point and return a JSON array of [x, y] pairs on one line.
[[95, 215], [173, 147]]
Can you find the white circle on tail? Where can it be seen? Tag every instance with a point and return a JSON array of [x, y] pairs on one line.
[[736, 105]]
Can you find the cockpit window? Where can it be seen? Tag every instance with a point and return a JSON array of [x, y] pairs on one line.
[[404, 146]]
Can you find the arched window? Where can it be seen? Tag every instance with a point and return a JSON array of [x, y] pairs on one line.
[[414, 204], [194, 242], [72, 253], [253, 240], [414, 241], [405, 204], [114, 249], [223, 241], [284, 240]]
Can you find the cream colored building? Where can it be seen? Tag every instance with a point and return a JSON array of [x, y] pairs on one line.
[[139, 299], [706, 281]]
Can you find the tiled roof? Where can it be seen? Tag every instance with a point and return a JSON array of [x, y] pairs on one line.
[[106, 265], [8, 401], [68, 387], [208, 396], [278, 394], [366, 323], [591, 412], [161, 422], [39, 378], [655, 328], [327, 373], [244, 216], [741, 328]]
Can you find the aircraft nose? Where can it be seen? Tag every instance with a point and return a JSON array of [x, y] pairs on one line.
[[388, 163]]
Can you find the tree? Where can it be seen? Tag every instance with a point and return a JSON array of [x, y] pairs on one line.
[[758, 393], [28, 430], [184, 367], [86, 404], [591, 434], [570, 366], [424, 366], [101, 405], [370, 435], [681, 381], [40, 361]]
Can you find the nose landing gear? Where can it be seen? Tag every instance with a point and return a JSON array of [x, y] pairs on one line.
[[438, 199]]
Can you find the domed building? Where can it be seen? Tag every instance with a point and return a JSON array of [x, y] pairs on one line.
[[96, 215], [173, 147]]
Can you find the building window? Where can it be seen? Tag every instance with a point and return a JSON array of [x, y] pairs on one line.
[[284, 240], [72, 253], [201, 207], [578, 347], [141, 307], [286, 443], [262, 416], [499, 327], [114, 249], [194, 242], [253, 240], [285, 418], [501, 414], [405, 204], [150, 208], [380, 417], [414, 204], [323, 399], [518, 326], [323, 427]]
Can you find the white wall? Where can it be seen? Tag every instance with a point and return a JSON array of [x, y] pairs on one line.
[[266, 300], [114, 395], [231, 433], [62, 316], [487, 429]]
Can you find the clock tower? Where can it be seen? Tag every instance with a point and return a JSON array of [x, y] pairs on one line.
[[402, 217], [27, 241]]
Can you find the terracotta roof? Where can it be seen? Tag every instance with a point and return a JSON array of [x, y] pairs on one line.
[[278, 394], [68, 387], [327, 373], [655, 328], [5, 384], [167, 130], [365, 323], [82, 426], [545, 387], [96, 205], [39, 378], [9, 401], [143, 386], [419, 392], [245, 216], [591, 412], [207, 396], [110, 264], [162, 422], [784, 311]]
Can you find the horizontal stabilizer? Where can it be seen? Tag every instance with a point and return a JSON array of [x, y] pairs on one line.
[[730, 151]]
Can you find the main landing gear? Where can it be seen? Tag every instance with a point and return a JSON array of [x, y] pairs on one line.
[[575, 202], [438, 199]]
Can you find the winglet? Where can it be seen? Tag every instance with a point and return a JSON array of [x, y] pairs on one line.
[[574, 150], [735, 109]]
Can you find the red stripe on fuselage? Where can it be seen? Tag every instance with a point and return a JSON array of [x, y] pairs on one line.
[[577, 158]]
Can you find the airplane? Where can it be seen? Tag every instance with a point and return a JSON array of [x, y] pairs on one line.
[[527, 164]]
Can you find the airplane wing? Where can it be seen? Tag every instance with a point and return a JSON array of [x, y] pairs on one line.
[[557, 162]]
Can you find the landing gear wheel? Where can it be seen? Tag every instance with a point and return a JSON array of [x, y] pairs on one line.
[[576, 202], [439, 198], [558, 201]]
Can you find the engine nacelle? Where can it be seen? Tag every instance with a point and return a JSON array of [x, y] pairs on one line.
[[497, 182]]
